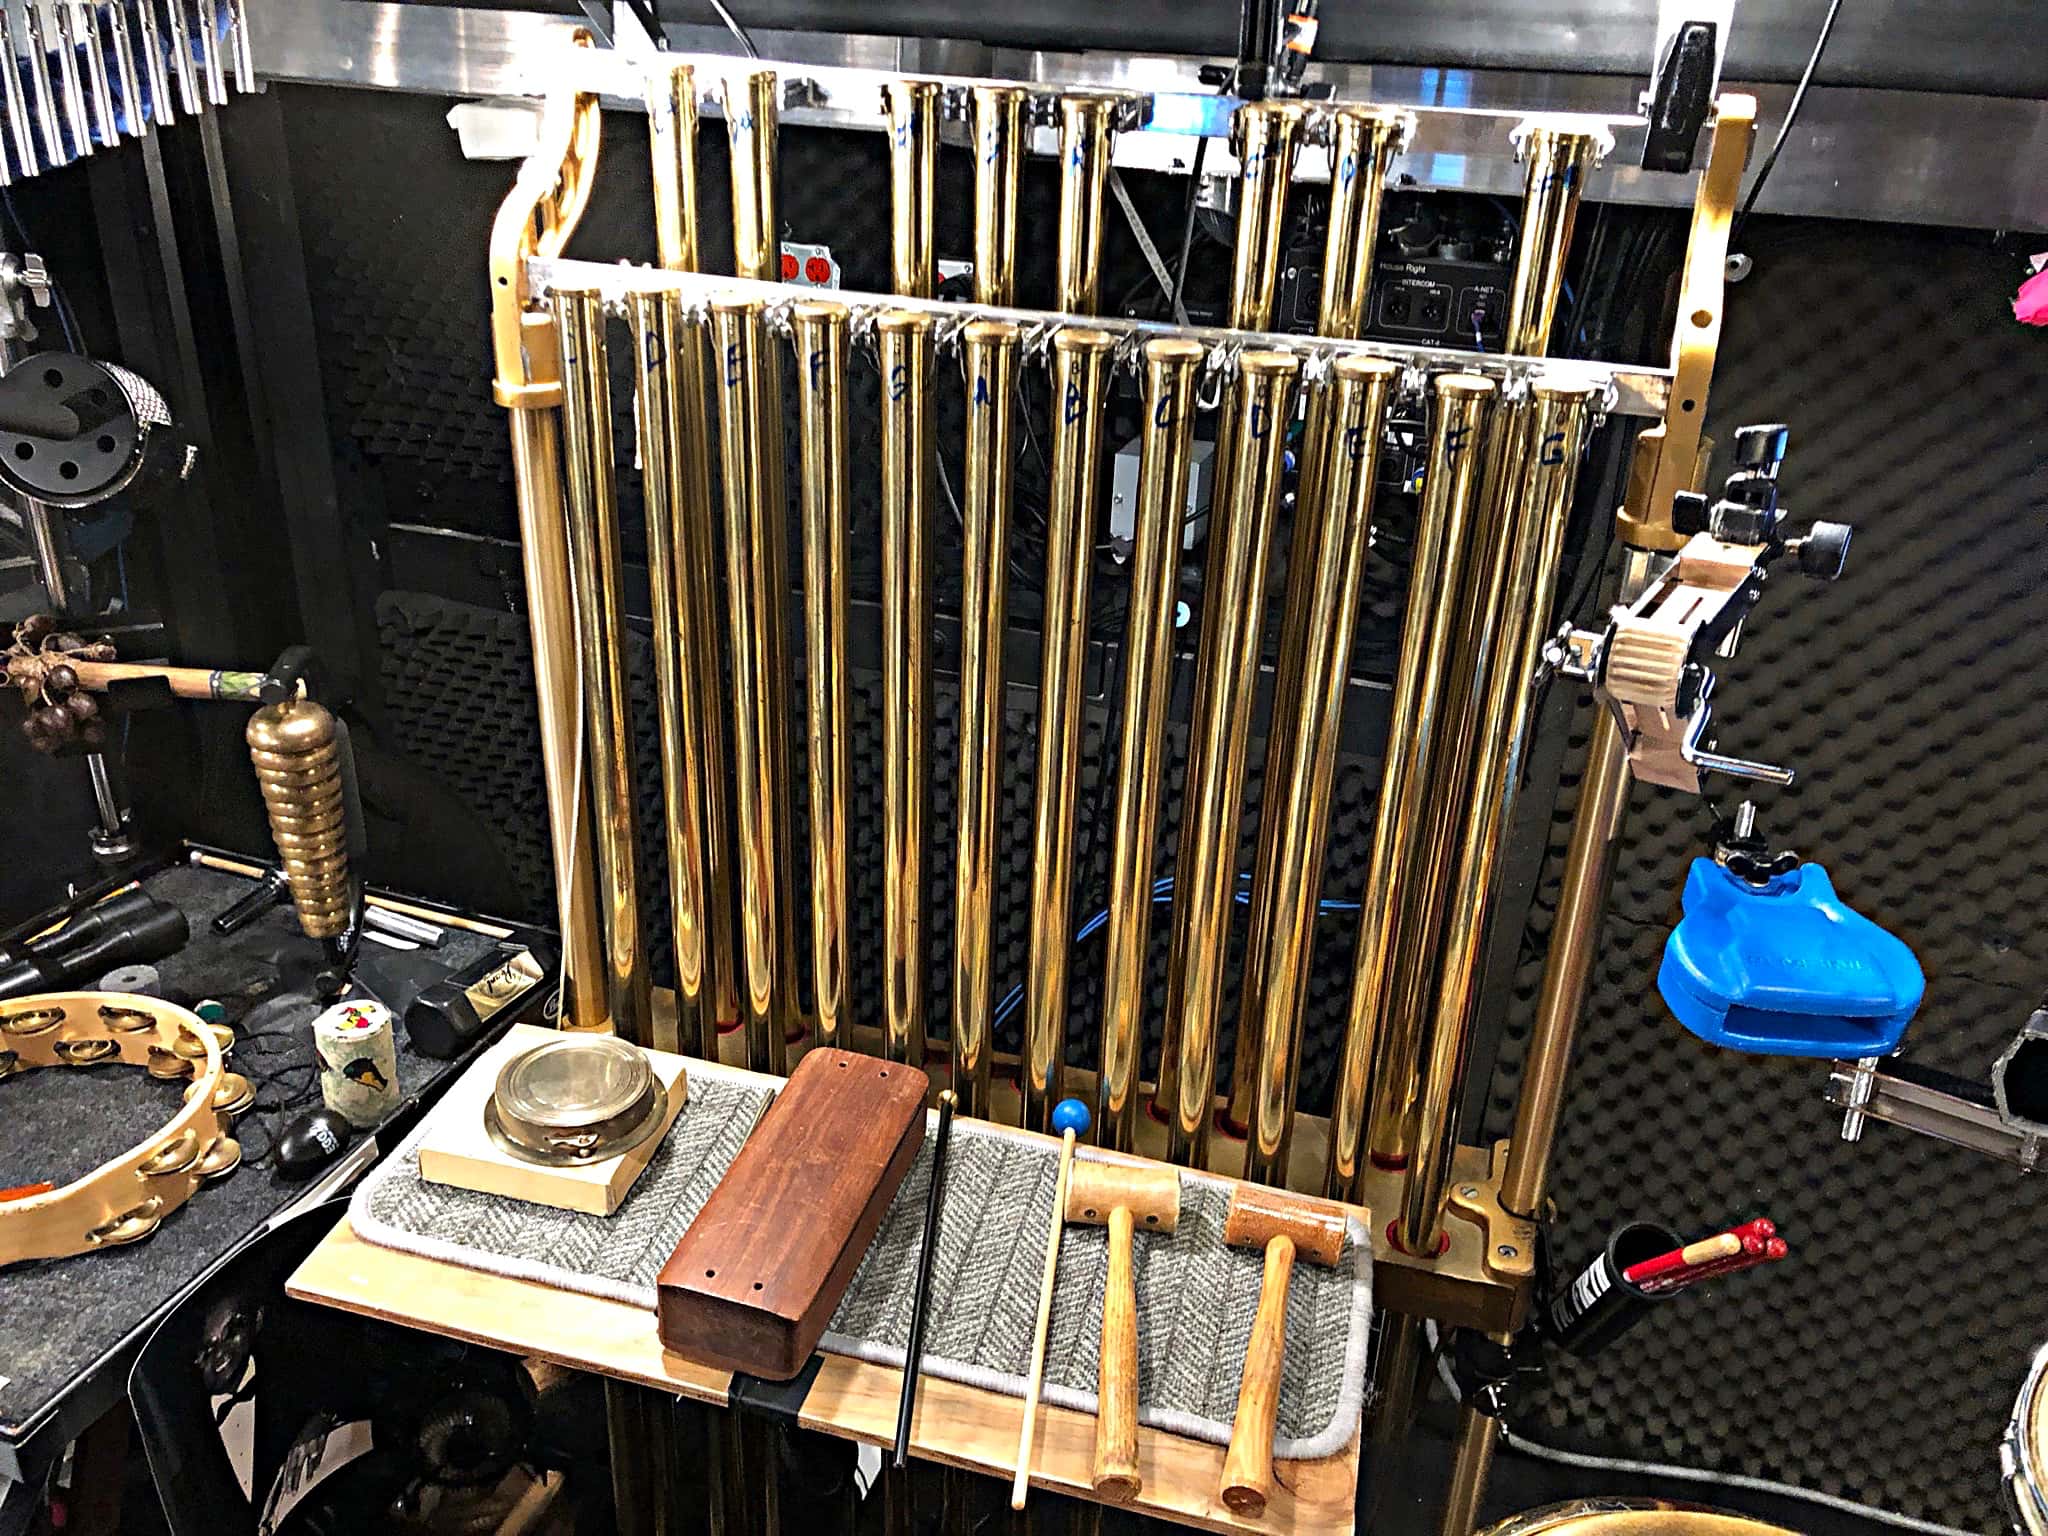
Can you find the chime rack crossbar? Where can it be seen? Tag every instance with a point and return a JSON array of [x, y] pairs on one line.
[[1623, 391]]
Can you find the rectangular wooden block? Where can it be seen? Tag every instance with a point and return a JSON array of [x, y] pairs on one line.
[[754, 1281], [458, 1150]]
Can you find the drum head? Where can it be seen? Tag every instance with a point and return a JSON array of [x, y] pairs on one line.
[[1631, 1517]]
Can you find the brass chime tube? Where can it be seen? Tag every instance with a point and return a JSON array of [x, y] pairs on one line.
[[1287, 881], [1173, 371], [1259, 408], [1555, 162], [1085, 124], [1265, 137], [913, 108], [1416, 746], [551, 620], [1080, 368], [818, 329], [989, 354], [659, 336], [749, 420], [904, 338], [1363, 143], [1540, 454], [594, 573], [753, 111], [1000, 145], [672, 134]]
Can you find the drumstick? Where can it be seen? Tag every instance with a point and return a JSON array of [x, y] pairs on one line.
[[1706, 1251], [1068, 1116]]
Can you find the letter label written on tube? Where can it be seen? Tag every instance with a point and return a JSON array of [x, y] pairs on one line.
[[1071, 407], [817, 365], [899, 381], [981, 389], [1162, 413], [732, 366], [1552, 449], [655, 350], [1260, 424], [1454, 441], [1354, 443]]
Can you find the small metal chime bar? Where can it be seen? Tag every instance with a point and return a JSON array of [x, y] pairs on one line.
[[1250, 437], [818, 330], [912, 107], [1086, 122], [1450, 484], [660, 335], [904, 340], [756, 618], [989, 352], [1363, 143], [1323, 591], [1317, 628], [692, 715], [1259, 407], [1172, 378], [1080, 366], [997, 128], [749, 433], [594, 573]]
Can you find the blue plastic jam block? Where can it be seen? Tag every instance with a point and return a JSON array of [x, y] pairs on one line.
[[1785, 969]]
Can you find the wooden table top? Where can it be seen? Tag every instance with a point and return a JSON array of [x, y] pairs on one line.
[[957, 1425]]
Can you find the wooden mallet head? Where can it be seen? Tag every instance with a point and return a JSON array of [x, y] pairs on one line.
[[1258, 1215], [1150, 1193]]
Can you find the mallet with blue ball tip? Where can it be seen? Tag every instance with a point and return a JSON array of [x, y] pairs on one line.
[[1070, 1119]]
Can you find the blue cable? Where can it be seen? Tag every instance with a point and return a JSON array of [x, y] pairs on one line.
[[1162, 895]]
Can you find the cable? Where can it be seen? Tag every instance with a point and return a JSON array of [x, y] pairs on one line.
[[1152, 257], [1827, 25], [732, 25], [1675, 1473], [1187, 228]]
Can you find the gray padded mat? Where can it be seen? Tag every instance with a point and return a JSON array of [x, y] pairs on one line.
[[1196, 1298]]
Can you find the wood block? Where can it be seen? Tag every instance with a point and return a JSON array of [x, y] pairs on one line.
[[754, 1281], [458, 1150]]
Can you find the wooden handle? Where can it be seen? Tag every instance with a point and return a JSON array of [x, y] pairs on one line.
[[1116, 1383], [1248, 1465], [1052, 1263], [184, 682]]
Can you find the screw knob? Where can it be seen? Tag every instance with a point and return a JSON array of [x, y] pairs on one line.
[[1824, 550], [1761, 447]]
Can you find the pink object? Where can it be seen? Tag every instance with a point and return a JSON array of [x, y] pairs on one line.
[[2030, 307]]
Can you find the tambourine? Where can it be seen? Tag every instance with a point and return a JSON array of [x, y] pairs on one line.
[[126, 1199]]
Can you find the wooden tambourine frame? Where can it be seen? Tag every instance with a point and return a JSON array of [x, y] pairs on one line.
[[127, 1198]]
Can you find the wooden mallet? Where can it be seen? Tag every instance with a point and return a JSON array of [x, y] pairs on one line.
[[1284, 1225], [1126, 1198]]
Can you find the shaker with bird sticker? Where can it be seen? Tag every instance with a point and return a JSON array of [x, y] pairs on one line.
[[358, 1061]]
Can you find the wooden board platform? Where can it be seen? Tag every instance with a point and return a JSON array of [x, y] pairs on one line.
[[958, 1425]]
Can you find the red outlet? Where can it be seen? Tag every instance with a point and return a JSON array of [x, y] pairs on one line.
[[817, 270], [788, 267]]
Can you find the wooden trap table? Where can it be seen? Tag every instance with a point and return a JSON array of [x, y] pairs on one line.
[[956, 1425]]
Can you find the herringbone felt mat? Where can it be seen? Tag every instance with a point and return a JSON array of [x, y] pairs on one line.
[[1196, 1297]]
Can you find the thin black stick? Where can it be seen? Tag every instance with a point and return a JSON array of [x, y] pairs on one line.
[[914, 1351]]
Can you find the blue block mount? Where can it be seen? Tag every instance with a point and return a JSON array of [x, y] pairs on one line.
[[1785, 968]]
